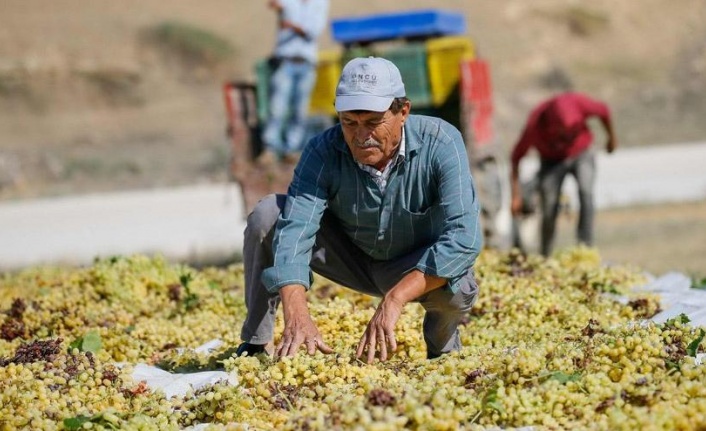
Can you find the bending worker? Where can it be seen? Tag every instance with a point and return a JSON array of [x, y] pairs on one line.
[[558, 130]]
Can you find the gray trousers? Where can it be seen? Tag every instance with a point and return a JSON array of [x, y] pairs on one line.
[[551, 177], [336, 258]]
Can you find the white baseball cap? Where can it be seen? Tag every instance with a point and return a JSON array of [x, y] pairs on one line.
[[368, 84]]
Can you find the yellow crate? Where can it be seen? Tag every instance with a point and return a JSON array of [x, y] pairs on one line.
[[444, 56], [328, 70]]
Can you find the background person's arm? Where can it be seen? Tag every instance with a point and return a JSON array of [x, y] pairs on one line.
[[611, 142], [526, 141], [593, 107], [515, 190], [314, 24]]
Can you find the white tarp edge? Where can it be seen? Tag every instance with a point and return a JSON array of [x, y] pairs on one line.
[[179, 384]]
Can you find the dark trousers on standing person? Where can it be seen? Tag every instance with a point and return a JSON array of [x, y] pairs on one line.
[[551, 178], [338, 259]]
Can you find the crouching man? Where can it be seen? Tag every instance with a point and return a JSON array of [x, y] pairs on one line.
[[383, 203]]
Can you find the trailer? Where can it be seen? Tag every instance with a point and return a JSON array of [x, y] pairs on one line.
[[443, 74]]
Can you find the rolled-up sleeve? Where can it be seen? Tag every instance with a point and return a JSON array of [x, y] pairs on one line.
[[461, 240], [316, 19], [298, 224]]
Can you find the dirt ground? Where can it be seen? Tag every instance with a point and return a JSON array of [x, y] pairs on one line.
[[87, 105], [657, 238]]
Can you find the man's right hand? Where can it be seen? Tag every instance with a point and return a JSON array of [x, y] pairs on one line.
[[516, 205], [515, 195], [298, 327]]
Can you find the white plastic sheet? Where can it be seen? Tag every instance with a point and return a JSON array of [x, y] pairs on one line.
[[178, 384], [677, 297]]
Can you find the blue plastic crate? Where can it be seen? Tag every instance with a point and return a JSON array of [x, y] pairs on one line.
[[398, 25]]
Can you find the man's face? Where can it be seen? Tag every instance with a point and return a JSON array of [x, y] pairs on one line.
[[373, 137]]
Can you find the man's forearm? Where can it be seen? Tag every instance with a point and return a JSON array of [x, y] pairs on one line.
[[611, 142], [413, 285], [515, 179], [295, 28], [293, 299]]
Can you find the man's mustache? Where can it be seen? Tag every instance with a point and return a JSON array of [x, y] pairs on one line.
[[368, 143]]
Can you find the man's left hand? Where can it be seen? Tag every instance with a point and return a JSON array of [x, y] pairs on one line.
[[380, 333]]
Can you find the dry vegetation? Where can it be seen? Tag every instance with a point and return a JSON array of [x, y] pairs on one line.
[[658, 239]]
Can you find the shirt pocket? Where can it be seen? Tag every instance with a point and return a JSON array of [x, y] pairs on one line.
[[420, 227]]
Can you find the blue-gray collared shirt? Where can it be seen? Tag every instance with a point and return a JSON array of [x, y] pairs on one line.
[[430, 202], [309, 15]]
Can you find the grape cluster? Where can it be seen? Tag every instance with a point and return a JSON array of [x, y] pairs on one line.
[[554, 343]]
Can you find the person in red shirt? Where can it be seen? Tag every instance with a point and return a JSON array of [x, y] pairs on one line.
[[557, 128]]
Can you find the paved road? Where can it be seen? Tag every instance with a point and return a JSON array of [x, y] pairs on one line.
[[191, 223], [660, 174], [206, 222]]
